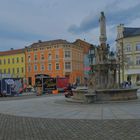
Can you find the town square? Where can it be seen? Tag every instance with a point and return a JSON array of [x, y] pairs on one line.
[[70, 70]]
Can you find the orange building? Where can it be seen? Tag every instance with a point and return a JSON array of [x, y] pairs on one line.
[[56, 58]]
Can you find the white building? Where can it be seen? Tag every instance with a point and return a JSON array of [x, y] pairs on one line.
[[128, 48]]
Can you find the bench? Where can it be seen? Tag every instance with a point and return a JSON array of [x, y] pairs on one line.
[[90, 98]]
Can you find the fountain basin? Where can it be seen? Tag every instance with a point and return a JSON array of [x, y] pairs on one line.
[[116, 94], [83, 95], [79, 94]]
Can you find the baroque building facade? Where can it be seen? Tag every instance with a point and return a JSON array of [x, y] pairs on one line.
[[56, 58], [128, 49]]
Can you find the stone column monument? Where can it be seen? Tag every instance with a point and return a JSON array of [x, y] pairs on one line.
[[104, 67], [102, 85], [102, 22]]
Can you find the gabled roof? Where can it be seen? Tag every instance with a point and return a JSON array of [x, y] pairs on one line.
[[130, 32]]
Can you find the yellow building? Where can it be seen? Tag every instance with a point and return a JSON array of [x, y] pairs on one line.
[[12, 63], [128, 48]]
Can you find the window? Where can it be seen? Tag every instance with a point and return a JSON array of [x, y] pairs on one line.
[[22, 70], [49, 56], [67, 65], [67, 54], [42, 67], [128, 48], [41, 48], [8, 61], [0, 70], [137, 60], [42, 56], [29, 50], [35, 49], [4, 70], [29, 58], [22, 60], [0, 62], [57, 66], [128, 60], [13, 60], [57, 55], [8, 70], [4, 61], [17, 70], [17, 59], [35, 67], [138, 47], [49, 66], [35, 57], [13, 70]]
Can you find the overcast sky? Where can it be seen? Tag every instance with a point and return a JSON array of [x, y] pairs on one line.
[[23, 22]]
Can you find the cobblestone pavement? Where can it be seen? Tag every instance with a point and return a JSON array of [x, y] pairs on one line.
[[56, 107], [26, 128], [49, 117]]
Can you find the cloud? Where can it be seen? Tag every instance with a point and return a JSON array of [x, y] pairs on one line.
[[114, 17], [27, 21], [87, 24], [9, 31], [124, 16], [6, 44]]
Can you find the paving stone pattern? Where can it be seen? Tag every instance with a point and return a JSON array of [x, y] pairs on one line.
[[27, 128]]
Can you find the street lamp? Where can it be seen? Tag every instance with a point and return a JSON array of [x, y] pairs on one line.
[[91, 57], [118, 66], [91, 54]]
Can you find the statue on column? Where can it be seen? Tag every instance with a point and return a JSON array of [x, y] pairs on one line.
[[102, 22]]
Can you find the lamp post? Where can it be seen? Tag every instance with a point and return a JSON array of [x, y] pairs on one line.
[[118, 56], [91, 58], [91, 54], [122, 55]]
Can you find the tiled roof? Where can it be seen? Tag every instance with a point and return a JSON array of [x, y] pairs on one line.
[[129, 32], [11, 52]]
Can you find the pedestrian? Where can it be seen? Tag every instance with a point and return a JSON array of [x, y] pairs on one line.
[[69, 88], [129, 83]]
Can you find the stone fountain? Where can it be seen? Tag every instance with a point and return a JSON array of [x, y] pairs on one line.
[[103, 84]]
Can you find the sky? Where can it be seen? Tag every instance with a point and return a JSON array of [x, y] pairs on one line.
[[23, 22]]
